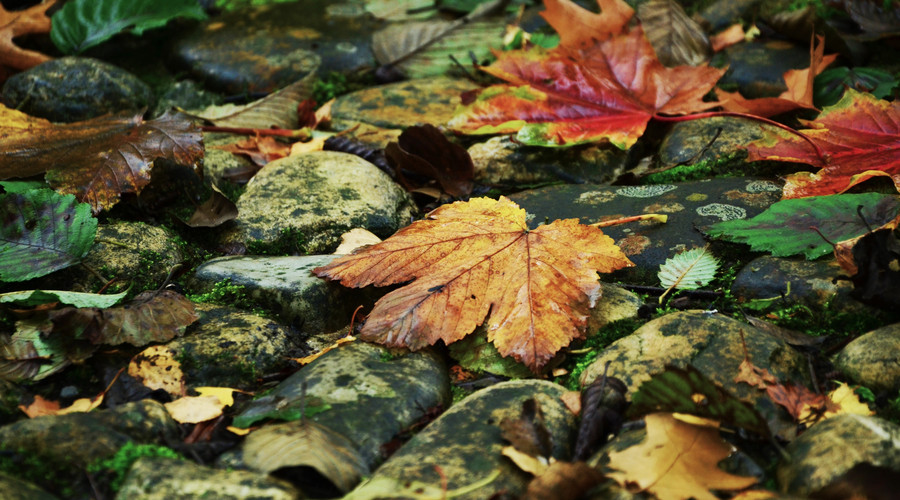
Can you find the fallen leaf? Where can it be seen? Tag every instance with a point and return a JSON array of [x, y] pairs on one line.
[[751, 374], [578, 27], [78, 299], [215, 211], [845, 401], [314, 144], [872, 262], [195, 409], [798, 401], [603, 405], [97, 160], [534, 465], [225, 394], [157, 368], [799, 93], [570, 96], [13, 24], [425, 152], [873, 19], [563, 481], [32, 355], [276, 110], [688, 270], [860, 136], [356, 239], [731, 35], [152, 316], [42, 231], [676, 461], [468, 258], [41, 407], [676, 38], [528, 433], [260, 149]]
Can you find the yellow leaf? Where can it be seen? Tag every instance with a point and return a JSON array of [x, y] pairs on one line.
[[195, 409], [312, 357], [225, 394], [676, 461], [535, 466], [41, 407], [156, 368]]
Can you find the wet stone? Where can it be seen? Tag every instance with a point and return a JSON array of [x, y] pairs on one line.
[[220, 166], [265, 48], [873, 359], [465, 443], [795, 281], [500, 161], [185, 94], [160, 478], [369, 394], [73, 89], [757, 68], [14, 488], [709, 342], [231, 348], [691, 207], [403, 104], [302, 204], [285, 286], [832, 447]]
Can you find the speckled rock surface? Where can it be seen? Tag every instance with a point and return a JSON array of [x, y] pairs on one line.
[[690, 206], [709, 342], [268, 47], [302, 204], [160, 478], [465, 442], [873, 360], [371, 395], [231, 348], [287, 287], [830, 448], [403, 104], [500, 161], [72, 89]]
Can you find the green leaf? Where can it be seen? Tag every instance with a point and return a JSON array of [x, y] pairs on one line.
[[77, 299], [81, 24], [288, 413], [688, 270], [22, 186], [688, 391], [786, 227], [30, 354], [42, 231]]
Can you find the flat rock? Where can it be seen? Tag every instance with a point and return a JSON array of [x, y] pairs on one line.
[[287, 287], [832, 447], [369, 394], [160, 478], [500, 161], [231, 348], [465, 443], [757, 68], [72, 89], [709, 342], [403, 104], [261, 49], [302, 204], [691, 207], [873, 359]]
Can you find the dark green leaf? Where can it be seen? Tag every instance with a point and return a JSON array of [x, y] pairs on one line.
[[786, 228], [42, 231], [81, 24], [77, 299], [688, 391]]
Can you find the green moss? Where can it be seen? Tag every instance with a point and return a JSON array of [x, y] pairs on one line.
[[829, 320], [593, 346], [458, 394], [116, 467], [225, 293], [35, 469], [289, 242], [336, 84], [729, 165]]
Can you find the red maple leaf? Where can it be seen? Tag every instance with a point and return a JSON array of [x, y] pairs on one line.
[[580, 92], [859, 138]]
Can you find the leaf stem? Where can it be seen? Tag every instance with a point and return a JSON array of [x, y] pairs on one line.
[[823, 157]]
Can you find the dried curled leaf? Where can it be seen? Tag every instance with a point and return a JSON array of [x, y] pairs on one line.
[[32, 20], [468, 258]]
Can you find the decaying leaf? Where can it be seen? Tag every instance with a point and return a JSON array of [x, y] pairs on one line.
[[872, 262], [41, 407], [810, 225], [676, 38], [260, 149], [528, 433], [688, 391], [422, 153], [355, 239], [468, 258], [305, 443], [877, 19], [42, 231], [152, 316], [588, 89], [27, 298], [97, 160], [13, 24], [676, 461], [215, 211], [563, 481], [603, 406], [195, 409], [157, 368], [799, 93], [860, 137], [276, 110]]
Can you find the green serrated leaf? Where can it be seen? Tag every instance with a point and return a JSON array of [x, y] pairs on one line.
[[77, 299], [22, 186], [42, 231], [81, 24], [786, 227], [688, 270]]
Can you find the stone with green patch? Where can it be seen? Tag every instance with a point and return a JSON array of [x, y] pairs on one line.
[[873, 359]]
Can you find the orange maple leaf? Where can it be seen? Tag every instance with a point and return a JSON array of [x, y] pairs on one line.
[[577, 27], [13, 24], [471, 258], [676, 461], [799, 93]]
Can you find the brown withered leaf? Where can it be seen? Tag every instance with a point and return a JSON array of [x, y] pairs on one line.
[[276, 110], [471, 258], [215, 211], [32, 20], [563, 481], [153, 316], [97, 160], [676, 38], [424, 151], [260, 150], [528, 433]]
